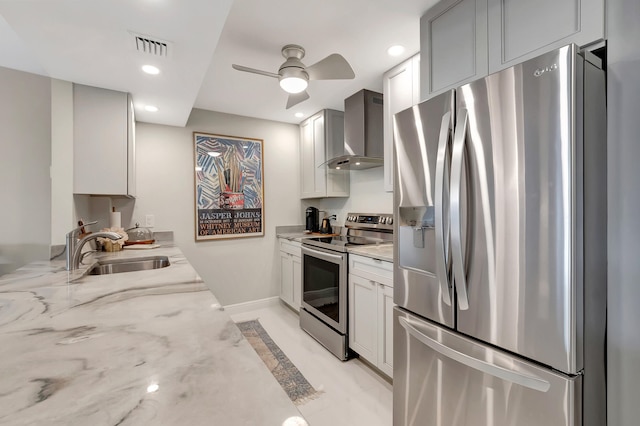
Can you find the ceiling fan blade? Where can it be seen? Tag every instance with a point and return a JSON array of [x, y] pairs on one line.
[[255, 71], [333, 67], [296, 98]]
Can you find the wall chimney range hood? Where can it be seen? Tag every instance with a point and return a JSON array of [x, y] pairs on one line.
[[363, 143]]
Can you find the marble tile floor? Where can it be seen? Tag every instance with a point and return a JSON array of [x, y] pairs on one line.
[[351, 393]]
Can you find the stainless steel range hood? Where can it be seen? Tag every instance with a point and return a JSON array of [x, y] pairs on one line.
[[363, 143]]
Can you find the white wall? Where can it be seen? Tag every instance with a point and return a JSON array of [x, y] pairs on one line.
[[61, 160], [236, 270], [25, 157], [623, 102], [367, 195]]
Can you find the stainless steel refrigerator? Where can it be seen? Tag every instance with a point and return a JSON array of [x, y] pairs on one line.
[[500, 249]]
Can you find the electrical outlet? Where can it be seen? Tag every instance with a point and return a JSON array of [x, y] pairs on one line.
[[150, 221]]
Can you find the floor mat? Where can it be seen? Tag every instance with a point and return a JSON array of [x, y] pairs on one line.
[[291, 380]]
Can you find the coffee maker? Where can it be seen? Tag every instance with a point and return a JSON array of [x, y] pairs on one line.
[[312, 219]]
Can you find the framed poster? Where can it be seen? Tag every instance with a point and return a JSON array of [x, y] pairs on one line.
[[229, 187]]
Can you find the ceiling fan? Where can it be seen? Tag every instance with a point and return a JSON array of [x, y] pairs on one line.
[[294, 76]]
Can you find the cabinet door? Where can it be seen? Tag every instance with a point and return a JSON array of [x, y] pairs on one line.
[[453, 45], [312, 155], [131, 148], [401, 91], [296, 271], [321, 138], [521, 30], [363, 317], [385, 329], [286, 278], [101, 152], [337, 180]]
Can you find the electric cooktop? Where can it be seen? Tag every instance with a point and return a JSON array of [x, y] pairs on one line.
[[359, 229]]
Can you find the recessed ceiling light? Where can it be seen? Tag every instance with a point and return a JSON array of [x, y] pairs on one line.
[[152, 387], [299, 114], [151, 108], [150, 69], [395, 50]]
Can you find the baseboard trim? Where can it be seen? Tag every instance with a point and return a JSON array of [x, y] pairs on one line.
[[240, 308]]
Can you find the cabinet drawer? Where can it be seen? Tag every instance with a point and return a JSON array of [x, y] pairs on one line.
[[372, 269], [291, 247]]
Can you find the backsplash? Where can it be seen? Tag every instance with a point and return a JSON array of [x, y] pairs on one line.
[[367, 196]]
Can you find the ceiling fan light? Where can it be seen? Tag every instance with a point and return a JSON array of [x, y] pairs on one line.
[[293, 84]]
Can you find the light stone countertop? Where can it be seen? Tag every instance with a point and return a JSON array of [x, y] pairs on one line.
[[377, 251], [295, 236], [83, 350], [382, 251]]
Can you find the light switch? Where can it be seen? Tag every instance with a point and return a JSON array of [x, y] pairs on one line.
[[150, 221]]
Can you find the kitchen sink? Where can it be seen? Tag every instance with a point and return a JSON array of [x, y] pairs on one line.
[[116, 266]]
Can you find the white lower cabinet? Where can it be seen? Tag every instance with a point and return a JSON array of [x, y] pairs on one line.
[[290, 273], [371, 311]]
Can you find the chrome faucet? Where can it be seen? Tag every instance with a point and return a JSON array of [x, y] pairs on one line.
[[74, 246]]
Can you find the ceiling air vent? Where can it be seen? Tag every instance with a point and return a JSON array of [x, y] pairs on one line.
[[151, 46]]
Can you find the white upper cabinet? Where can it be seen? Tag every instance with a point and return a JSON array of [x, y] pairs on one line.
[[453, 45], [463, 40], [401, 90], [520, 30], [322, 138], [103, 142]]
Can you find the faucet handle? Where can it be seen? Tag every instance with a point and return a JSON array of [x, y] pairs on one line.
[[76, 231]]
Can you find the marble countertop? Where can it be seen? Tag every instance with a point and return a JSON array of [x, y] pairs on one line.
[[377, 251], [295, 236], [80, 350], [382, 251]]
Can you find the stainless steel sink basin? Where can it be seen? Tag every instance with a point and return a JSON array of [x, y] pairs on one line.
[[103, 267]]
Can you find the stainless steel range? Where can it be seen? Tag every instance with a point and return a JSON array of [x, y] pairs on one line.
[[325, 271]]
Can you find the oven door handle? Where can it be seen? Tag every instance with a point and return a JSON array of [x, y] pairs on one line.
[[323, 254]]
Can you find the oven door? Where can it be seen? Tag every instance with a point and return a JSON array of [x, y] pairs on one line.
[[324, 286]]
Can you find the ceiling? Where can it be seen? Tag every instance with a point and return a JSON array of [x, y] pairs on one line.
[[92, 42]]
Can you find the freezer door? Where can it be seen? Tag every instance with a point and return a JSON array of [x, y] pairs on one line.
[[443, 379], [422, 141], [515, 211]]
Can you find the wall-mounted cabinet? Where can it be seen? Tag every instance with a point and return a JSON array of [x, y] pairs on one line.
[[322, 138], [520, 30], [103, 142], [401, 90], [291, 273], [371, 311], [463, 40], [453, 45]]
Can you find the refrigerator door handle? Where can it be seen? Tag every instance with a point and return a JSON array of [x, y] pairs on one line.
[[531, 382], [441, 222], [457, 158]]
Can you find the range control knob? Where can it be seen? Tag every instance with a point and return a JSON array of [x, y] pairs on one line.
[[383, 220], [389, 221]]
